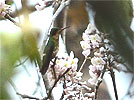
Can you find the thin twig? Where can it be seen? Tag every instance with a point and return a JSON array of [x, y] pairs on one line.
[[114, 83], [38, 82], [83, 64], [7, 16], [21, 63], [14, 87], [26, 96], [110, 68]]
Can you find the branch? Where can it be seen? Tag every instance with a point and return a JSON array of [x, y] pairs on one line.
[[83, 64], [21, 63], [7, 16], [114, 83], [26, 96], [14, 87]]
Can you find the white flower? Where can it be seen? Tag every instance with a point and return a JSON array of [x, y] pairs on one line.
[[72, 61], [92, 94], [92, 81], [71, 55], [92, 68], [86, 52], [95, 68], [79, 74], [95, 38], [98, 61], [85, 37], [4, 8], [106, 41], [63, 64], [100, 67], [60, 62], [98, 54], [93, 74], [102, 49], [41, 5], [90, 29], [85, 45], [95, 44]]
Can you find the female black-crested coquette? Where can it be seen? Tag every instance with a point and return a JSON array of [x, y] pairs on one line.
[[51, 48]]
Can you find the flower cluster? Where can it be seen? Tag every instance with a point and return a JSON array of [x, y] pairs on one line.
[[93, 48], [42, 4], [73, 84], [74, 91], [62, 64], [92, 45], [95, 69], [4, 8], [99, 50], [90, 40]]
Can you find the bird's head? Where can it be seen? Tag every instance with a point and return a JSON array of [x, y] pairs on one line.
[[57, 31]]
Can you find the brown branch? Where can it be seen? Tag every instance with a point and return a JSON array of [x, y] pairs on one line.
[[110, 68], [114, 83], [7, 16], [26, 96]]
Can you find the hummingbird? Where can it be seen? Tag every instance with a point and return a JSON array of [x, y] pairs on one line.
[[51, 48]]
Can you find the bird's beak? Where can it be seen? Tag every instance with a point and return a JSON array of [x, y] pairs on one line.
[[63, 29]]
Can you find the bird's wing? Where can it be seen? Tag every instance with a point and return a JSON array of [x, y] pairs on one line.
[[48, 52]]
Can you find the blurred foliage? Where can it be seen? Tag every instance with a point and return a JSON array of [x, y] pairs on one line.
[[10, 52], [12, 48], [29, 43]]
